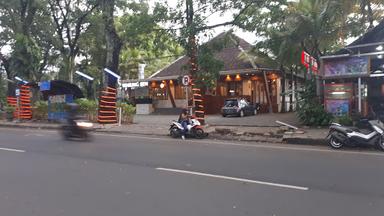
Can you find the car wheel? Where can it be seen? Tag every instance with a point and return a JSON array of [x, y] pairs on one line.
[[224, 115], [241, 114]]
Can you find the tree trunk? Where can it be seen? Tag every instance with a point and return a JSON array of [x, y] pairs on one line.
[[283, 79], [168, 86], [370, 14], [192, 53], [113, 41]]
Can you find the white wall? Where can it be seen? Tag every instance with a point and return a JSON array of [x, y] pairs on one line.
[[168, 104]]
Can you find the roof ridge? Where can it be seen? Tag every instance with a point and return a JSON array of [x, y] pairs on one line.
[[159, 71]]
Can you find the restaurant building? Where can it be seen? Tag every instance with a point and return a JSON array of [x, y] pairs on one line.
[[238, 79], [353, 77]]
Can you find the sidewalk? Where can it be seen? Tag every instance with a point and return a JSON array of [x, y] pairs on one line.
[[159, 126]]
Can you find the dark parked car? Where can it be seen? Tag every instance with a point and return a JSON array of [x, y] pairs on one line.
[[239, 107]]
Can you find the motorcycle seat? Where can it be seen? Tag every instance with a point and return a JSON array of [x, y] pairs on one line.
[[364, 131]]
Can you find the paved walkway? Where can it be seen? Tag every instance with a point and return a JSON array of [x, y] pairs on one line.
[[261, 120], [260, 128]]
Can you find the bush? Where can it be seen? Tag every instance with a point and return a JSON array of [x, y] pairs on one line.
[[40, 110], [128, 111], [344, 120], [88, 108], [310, 111]]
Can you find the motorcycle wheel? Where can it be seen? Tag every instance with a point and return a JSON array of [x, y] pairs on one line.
[[380, 145], [65, 132], [334, 143], [174, 132], [199, 133]]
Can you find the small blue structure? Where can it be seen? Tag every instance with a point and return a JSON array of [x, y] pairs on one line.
[[59, 93]]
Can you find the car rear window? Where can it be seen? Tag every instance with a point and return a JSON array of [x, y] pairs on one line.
[[230, 103]]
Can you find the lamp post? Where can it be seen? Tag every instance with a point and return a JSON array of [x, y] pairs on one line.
[[89, 82]]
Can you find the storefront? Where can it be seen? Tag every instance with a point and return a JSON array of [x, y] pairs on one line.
[[353, 78]]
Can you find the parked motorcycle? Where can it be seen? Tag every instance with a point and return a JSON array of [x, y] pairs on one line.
[[195, 130], [371, 135], [79, 129]]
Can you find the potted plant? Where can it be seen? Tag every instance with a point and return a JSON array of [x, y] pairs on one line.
[[9, 110]]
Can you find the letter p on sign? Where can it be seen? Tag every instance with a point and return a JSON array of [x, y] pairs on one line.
[[186, 80]]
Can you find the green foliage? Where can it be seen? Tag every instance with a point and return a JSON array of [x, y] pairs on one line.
[[9, 109], [40, 110], [86, 106], [310, 111], [344, 120], [26, 57], [209, 66], [128, 111]]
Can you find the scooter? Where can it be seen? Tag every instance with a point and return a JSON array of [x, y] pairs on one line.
[[194, 129], [371, 135], [79, 129]]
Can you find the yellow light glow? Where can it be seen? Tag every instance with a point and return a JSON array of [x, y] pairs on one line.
[[228, 78], [238, 77]]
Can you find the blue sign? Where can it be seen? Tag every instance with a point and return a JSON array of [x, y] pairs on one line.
[[56, 106], [45, 86]]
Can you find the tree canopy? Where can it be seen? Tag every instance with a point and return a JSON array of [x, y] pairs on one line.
[[46, 39]]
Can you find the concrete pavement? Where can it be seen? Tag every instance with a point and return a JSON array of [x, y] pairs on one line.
[[119, 175], [260, 128]]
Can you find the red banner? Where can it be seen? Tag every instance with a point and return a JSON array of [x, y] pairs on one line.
[[309, 61]]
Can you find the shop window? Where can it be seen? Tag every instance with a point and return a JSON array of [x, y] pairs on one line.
[[235, 89], [159, 94]]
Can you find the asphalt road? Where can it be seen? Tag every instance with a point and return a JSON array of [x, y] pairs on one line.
[[132, 175]]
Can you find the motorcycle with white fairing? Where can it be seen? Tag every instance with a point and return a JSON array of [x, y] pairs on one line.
[[194, 129], [372, 135]]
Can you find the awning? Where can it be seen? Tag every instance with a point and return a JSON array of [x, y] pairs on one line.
[[60, 87]]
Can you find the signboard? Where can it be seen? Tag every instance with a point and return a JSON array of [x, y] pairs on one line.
[[45, 86], [309, 61], [17, 92], [338, 91], [56, 106], [349, 67], [337, 107], [186, 80]]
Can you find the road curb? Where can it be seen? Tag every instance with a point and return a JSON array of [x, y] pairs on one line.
[[305, 141], [302, 141]]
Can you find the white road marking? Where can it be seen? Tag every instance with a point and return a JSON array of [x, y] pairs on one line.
[[234, 179], [12, 150], [39, 135]]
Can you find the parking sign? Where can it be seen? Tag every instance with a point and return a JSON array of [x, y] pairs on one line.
[[186, 80]]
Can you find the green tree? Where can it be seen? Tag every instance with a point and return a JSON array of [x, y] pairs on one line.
[[70, 19], [20, 32]]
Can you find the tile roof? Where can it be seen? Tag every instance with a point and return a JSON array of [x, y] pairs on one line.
[[229, 56]]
